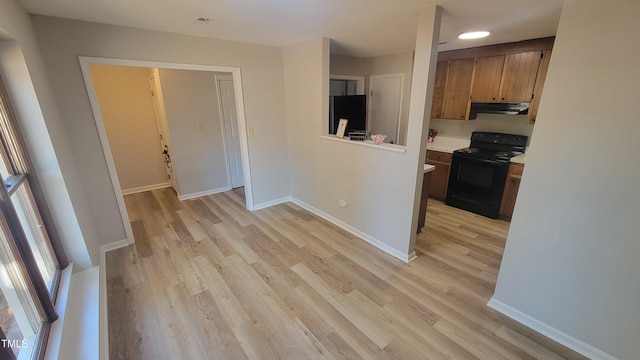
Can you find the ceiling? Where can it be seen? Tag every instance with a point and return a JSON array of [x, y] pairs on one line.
[[361, 28]]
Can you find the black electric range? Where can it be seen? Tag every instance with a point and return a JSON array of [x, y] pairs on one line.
[[478, 173]]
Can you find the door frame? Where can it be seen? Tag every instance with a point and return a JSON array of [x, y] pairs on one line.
[[370, 102], [359, 80], [227, 155], [86, 61]]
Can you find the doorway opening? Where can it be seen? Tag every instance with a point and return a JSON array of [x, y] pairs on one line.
[[235, 87]]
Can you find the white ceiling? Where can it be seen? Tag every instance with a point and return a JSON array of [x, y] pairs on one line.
[[358, 27]]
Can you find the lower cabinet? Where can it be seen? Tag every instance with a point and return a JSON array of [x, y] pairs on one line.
[[439, 176], [511, 190], [422, 217]]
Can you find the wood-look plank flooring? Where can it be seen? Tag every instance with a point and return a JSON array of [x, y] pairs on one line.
[[207, 279]]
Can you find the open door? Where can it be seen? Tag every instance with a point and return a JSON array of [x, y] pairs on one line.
[[227, 100], [385, 103], [163, 128]]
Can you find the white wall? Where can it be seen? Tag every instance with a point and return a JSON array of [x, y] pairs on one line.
[[347, 65], [379, 185], [571, 260], [401, 63], [130, 120], [462, 129], [24, 74], [62, 41], [191, 99]]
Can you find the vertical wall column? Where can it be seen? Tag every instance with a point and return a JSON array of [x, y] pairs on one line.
[[424, 69]]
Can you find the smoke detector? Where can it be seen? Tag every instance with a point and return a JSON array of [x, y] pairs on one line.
[[202, 20]]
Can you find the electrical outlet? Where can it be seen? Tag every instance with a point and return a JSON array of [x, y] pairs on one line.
[[343, 204], [461, 127]]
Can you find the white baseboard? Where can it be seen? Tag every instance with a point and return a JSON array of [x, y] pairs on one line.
[[412, 256], [104, 319], [267, 204], [145, 188], [203, 193], [115, 245], [366, 237], [548, 331]]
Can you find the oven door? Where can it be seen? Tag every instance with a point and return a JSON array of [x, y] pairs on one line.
[[477, 185]]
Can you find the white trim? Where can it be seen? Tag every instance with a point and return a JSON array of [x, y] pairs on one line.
[[370, 102], [114, 245], [244, 141], [140, 189], [203, 193], [402, 149], [549, 331], [106, 149], [85, 63], [412, 256], [266, 204], [364, 236], [359, 79], [104, 319]]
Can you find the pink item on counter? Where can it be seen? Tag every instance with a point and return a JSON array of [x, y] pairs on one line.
[[378, 138]]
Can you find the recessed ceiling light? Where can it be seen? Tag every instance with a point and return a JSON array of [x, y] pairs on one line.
[[473, 35]]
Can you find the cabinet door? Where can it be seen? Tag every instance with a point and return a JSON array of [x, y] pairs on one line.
[[519, 76], [537, 89], [438, 89], [486, 78], [439, 181], [511, 191], [456, 95]]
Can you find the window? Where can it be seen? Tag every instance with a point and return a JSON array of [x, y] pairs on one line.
[[31, 256], [338, 87]]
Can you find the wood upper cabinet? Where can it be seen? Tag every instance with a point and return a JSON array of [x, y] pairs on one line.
[[487, 76], [438, 89], [440, 175], [512, 72], [519, 76], [537, 89], [457, 89]]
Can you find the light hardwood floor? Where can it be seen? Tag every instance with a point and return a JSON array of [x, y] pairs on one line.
[[208, 279]]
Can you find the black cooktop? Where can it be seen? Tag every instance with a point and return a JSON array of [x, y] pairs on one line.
[[483, 154], [492, 146]]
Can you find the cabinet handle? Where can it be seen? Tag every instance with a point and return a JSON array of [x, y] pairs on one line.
[[502, 98]]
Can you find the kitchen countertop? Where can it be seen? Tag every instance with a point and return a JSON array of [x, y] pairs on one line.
[[447, 144], [520, 159], [428, 168]]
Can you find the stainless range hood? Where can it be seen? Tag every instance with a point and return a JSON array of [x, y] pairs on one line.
[[498, 108]]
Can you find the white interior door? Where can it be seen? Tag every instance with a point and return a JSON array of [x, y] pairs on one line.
[[163, 127], [385, 101], [227, 99]]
